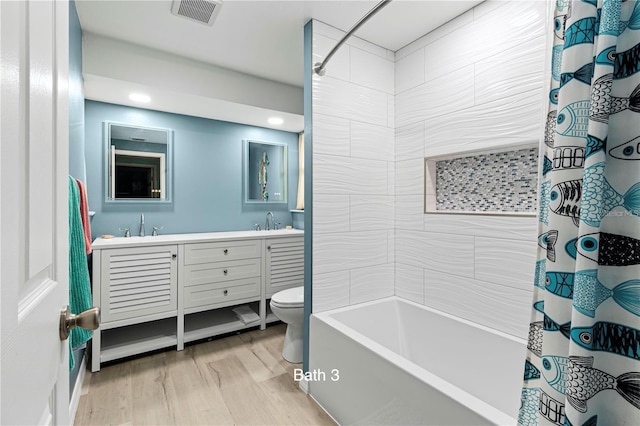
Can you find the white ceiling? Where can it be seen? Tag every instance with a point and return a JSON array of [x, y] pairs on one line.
[[261, 38]]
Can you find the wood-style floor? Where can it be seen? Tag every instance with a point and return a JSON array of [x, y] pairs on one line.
[[236, 380]]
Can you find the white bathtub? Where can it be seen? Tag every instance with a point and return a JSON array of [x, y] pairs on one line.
[[395, 362]]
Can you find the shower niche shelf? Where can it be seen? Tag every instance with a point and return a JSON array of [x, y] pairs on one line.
[[498, 181]]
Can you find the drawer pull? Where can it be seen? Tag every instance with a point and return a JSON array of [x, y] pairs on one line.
[[174, 256], [225, 271], [226, 251], [226, 292]]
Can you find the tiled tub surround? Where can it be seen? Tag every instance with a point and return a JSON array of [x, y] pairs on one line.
[[353, 172], [474, 84], [503, 182]]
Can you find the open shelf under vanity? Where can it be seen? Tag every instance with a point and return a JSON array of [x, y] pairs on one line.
[[134, 339], [205, 324]]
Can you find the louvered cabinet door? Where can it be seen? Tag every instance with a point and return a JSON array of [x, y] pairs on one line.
[[138, 282], [284, 264]]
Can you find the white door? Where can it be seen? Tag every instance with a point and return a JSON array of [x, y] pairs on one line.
[[33, 211]]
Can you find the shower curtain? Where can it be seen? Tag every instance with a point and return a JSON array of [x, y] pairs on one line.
[[583, 359]]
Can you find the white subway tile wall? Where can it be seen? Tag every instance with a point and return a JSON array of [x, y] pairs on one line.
[[519, 69], [474, 83], [371, 141], [331, 135], [442, 96], [482, 89], [410, 71], [372, 283], [353, 173], [510, 121], [409, 177], [330, 291], [410, 282], [500, 307], [410, 142], [505, 262], [348, 250]]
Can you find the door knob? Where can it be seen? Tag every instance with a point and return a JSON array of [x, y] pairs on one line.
[[89, 320]]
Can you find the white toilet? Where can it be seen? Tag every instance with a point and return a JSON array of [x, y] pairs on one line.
[[288, 306]]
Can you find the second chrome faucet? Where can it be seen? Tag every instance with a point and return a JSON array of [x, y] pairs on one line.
[[141, 225], [267, 226], [266, 223]]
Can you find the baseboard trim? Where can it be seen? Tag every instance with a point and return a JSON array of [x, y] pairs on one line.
[[77, 390]]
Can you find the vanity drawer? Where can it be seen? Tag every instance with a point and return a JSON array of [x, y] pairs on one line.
[[222, 271], [195, 254], [215, 292]]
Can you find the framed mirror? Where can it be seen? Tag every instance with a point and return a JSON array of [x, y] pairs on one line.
[[265, 172], [138, 163]]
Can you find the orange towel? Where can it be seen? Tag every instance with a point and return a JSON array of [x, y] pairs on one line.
[[84, 215]]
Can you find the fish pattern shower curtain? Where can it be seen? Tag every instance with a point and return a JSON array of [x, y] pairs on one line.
[[583, 359]]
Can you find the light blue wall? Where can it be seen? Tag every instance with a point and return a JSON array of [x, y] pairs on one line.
[[76, 97], [207, 174]]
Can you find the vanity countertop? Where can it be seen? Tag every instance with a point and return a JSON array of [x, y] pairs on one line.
[[117, 242]]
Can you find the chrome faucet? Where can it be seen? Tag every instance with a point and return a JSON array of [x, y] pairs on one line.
[[266, 224], [141, 225]]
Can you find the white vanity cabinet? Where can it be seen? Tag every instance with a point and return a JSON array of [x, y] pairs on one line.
[[156, 292], [136, 286]]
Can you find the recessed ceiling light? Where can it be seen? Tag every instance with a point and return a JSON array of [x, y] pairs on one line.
[[139, 97], [275, 121]]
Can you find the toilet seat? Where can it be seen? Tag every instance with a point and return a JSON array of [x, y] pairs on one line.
[[289, 298]]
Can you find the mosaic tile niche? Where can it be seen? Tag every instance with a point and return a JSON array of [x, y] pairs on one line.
[[502, 182]]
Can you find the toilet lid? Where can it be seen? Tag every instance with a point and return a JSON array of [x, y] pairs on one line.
[[289, 297]]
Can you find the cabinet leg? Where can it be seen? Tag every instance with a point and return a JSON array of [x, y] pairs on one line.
[[263, 313], [180, 344]]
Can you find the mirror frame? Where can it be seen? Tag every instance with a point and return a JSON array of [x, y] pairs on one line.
[[168, 178], [284, 172]]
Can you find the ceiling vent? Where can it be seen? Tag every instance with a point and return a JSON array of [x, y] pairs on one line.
[[203, 11]]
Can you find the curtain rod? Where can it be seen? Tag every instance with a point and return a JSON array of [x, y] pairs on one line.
[[319, 67]]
